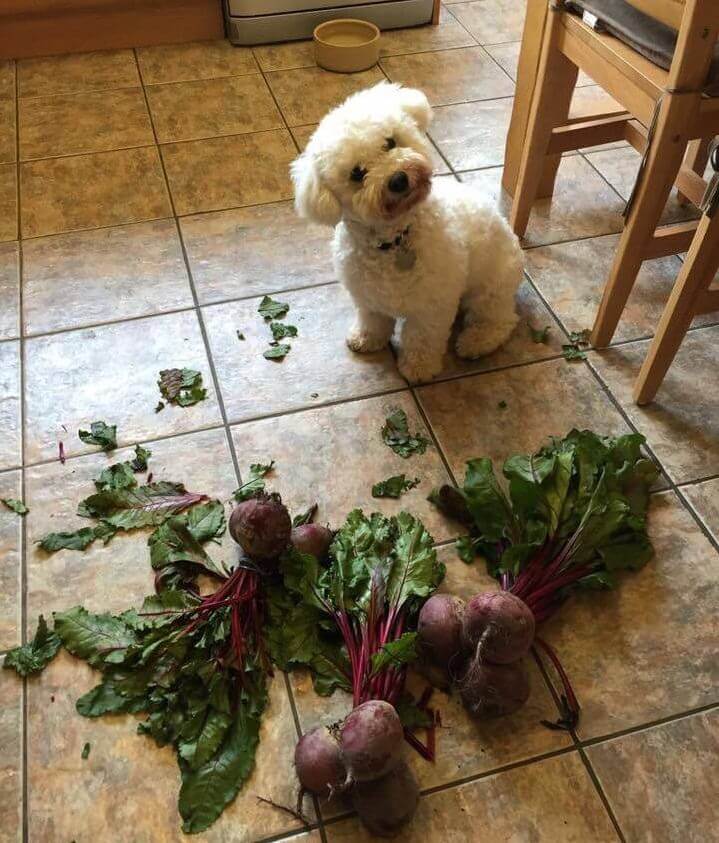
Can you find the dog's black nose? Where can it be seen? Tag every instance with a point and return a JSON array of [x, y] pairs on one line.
[[398, 182]]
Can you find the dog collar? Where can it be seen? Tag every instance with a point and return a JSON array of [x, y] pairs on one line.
[[399, 240]]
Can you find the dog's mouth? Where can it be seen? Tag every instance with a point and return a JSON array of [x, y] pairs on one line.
[[420, 184]]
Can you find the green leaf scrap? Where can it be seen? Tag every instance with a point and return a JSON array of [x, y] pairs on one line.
[[395, 434], [276, 352], [539, 335], [15, 505], [100, 434], [393, 487], [36, 654], [271, 309], [85, 754], [181, 386], [254, 483], [142, 455], [281, 330]]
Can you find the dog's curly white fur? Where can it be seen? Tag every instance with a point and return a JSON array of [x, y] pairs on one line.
[[407, 248]]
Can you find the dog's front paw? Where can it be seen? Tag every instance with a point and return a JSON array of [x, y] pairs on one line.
[[417, 367], [363, 339]]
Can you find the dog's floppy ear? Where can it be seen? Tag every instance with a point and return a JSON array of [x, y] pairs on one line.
[[312, 199], [416, 105]]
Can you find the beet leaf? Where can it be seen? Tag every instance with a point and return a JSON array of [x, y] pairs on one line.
[[36, 654], [104, 435]]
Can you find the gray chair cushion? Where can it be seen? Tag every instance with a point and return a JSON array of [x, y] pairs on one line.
[[649, 37]]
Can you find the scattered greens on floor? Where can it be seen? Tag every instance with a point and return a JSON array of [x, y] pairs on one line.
[[276, 352], [85, 754], [539, 335], [15, 505], [574, 516], [575, 349], [393, 487], [240, 335], [100, 434], [281, 331], [36, 654], [395, 433], [255, 482], [181, 386], [272, 309]]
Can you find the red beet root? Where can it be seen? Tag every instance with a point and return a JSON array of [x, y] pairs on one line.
[[371, 740], [261, 526], [385, 805], [319, 763], [499, 625], [439, 628], [313, 539], [492, 690]]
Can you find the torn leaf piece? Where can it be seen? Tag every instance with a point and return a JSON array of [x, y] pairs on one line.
[[271, 309], [395, 433], [104, 435], [181, 386], [393, 487], [36, 654]]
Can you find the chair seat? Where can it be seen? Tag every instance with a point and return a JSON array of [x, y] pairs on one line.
[[649, 37]]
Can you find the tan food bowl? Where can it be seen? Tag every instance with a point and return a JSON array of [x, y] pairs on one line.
[[346, 45]]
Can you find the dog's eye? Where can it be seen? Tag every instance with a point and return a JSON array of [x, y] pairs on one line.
[[390, 143], [358, 173]]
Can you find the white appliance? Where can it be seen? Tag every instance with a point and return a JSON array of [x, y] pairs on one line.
[[267, 21]]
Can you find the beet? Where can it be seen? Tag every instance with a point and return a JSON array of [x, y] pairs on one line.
[[371, 740], [318, 762], [499, 625], [385, 805], [439, 628], [313, 539], [261, 526], [491, 690]]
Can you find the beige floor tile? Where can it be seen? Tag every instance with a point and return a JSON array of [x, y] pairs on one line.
[[10, 553], [211, 107], [198, 60], [7, 78], [126, 791], [75, 72], [620, 167], [472, 134], [448, 33], [704, 497], [89, 191], [287, 56], [8, 146], [10, 455], [86, 277], [251, 251], [543, 399], [660, 782], [306, 94], [654, 653], [520, 347], [491, 21], [89, 122], [110, 373], [115, 576], [8, 202], [9, 291], [11, 758], [583, 204], [507, 55], [302, 135], [513, 805], [210, 175], [592, 99], [333, 455], [464, 747], [319, 363], [682, 424], [571, 277], [450, 76]]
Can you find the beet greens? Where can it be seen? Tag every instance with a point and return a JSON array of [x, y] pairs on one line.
[[574, 515], [350, 619]]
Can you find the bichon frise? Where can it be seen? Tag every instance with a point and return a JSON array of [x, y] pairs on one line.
[[407, 248]]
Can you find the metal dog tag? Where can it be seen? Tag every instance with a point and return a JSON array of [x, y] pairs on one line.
[[405, 258]]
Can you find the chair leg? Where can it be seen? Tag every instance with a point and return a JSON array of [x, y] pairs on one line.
[[695, 159], [697, 273], [557, 77], [664, 158]]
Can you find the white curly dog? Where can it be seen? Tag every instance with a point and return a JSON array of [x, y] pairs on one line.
[[405, 247]]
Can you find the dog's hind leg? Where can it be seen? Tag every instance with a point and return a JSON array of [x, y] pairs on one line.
[[489, 305]]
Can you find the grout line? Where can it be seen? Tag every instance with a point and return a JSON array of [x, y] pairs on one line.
[[600, 792]]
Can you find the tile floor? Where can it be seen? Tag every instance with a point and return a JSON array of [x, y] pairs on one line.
[[144, 208]]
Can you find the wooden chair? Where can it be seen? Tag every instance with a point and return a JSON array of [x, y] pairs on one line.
[[667, 115]]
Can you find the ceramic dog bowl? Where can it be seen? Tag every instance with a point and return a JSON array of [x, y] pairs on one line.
[[346, 45]]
